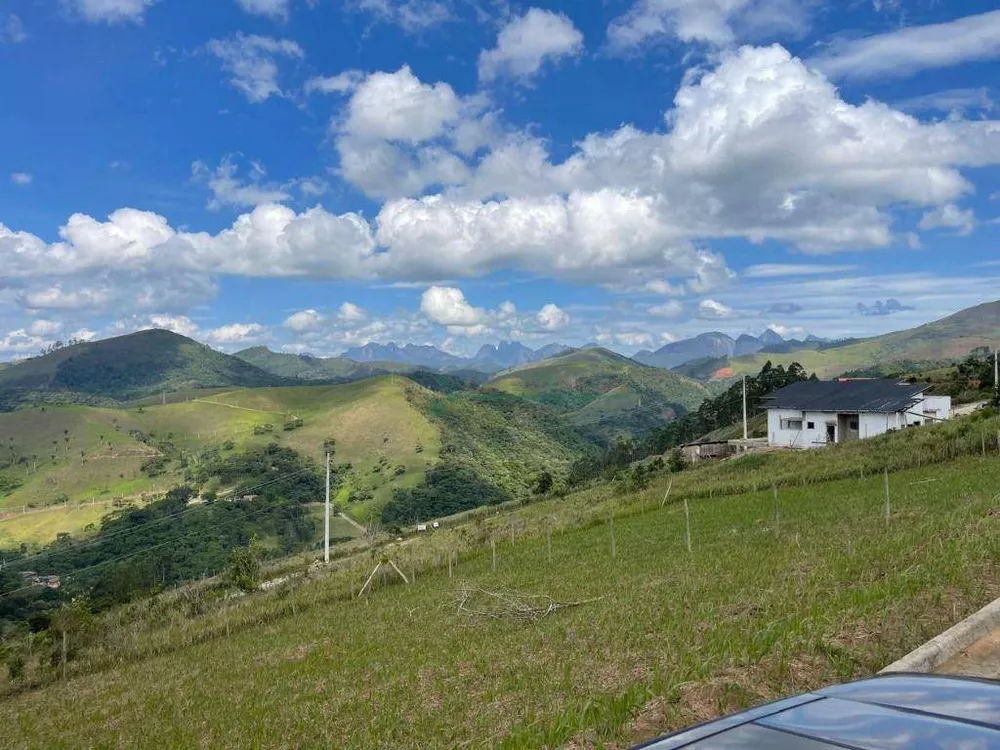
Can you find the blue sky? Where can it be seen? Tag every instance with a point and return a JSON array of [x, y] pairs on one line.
[[313, 175]]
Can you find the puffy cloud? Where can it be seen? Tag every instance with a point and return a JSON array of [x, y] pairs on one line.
[[20, 343], [304, 320], [669, 309], [716, 22], [399, 107], [228, 190], [21, 178], [880, 308], [447, 306], [905, 51], [181, 324], [348, 312], [277, 9], [112, 11], [412, 16], [342, 83], [630, 339], [551, 317], [251, 60], [12, 29], [709, 309], [587, 236], [234, 333], [529, 41], [42, 327], [949, 216]]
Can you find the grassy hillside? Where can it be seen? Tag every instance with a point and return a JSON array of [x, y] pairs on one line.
[[603, 391], [123, 368], [653, 636], [81, 455], [946, 339]]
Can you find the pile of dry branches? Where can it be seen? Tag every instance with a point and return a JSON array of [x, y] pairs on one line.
[[509, 605]]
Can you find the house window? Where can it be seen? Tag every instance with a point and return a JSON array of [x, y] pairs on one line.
[[853, 424], [810, 425], [791, 424]]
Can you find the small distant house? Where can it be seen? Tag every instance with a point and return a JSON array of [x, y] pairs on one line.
[[815, 413], [695, 452]]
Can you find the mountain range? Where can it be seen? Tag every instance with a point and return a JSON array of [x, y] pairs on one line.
[[490, 358], [714, 345]]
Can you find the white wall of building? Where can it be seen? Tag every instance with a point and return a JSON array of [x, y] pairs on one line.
[[784, 430], [781, 433]]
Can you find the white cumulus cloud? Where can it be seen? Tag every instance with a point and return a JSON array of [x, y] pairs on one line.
[[21, 178], [527, 42], [551, 317], [709, 309], [949, 216], [447, 306], [304, 320]]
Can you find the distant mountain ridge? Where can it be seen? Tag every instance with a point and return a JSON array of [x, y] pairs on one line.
[[489, 359], [716, 345]]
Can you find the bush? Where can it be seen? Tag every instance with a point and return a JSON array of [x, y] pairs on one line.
[[244, 567]]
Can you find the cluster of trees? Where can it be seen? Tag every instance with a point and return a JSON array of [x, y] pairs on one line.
[[447, 489]]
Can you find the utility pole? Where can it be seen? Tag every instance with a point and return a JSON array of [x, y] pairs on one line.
[[744, 407], [326, 515], [996, 377]]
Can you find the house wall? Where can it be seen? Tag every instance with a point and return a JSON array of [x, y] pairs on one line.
[[870, 424], [804, 438], [941, 403]]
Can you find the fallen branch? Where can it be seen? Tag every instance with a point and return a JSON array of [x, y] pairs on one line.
[[510, 605]]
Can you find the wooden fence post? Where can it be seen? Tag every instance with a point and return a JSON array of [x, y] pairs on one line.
[[687, 524], [887, 511], [777, 516], [493, 547], [614, 543]]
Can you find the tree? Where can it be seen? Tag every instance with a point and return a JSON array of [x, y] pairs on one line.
[[543, 483], [244, 567]]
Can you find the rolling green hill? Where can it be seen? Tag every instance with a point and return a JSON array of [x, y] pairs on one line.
[[124, 368], [603, 392], [943, 340]]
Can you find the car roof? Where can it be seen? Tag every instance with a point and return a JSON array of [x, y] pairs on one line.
[[897, 711]]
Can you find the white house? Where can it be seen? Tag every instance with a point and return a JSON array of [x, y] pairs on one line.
[[814, 413]]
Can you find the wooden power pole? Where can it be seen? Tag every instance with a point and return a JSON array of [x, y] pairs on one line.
[[744, 407]]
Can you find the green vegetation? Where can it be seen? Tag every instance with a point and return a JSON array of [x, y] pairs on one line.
[[127, 367], [604, 393], [652, 637]]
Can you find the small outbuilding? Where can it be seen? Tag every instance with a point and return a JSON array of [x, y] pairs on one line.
[[695, 452], [814, 413]]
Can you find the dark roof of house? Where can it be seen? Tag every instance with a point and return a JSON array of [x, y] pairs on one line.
[[876, 395]]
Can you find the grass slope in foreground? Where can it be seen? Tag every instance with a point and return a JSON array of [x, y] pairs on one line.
[[757, 610]]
